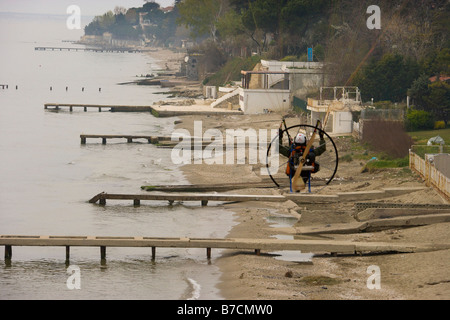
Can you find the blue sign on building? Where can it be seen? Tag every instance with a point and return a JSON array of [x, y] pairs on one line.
[[310, 54]]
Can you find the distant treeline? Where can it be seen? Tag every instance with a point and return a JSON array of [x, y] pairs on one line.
[[408, 55], [125, 23]]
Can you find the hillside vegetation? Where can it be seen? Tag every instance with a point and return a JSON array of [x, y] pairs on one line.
[[403, 50]]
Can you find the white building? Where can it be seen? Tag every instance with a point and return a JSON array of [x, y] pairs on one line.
[[264, 99], [341, 102], [272, 88]]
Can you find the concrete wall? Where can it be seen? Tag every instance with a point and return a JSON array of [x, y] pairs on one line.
[[303, 78], [254, 101], [339, 122], [442, 163], [274, 65], [342, 122], [303, 82]]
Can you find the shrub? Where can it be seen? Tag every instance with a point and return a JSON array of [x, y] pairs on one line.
[[290, 58], [346, 158], [418, 120], [439, 125], [231, 71]]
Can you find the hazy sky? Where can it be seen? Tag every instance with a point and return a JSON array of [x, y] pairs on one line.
[[88, 7]]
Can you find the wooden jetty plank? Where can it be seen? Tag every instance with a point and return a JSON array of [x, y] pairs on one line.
[[298, 198], [356, 196], [360, 206], [128, 137], [384, 213], [313, 246], [204, 198], [116, 50], [208, 187], [369, 225], [152, 109], [113, 108]]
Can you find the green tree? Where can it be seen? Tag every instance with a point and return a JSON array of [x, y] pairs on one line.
[[230, 25], [201, 16], [100, 24], [438, 62], [438, 100], [388, 78], [418, 120], [419, 90], [261, 18], [150, 6]]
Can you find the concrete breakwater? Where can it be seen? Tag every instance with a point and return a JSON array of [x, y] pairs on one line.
[[156, 110]]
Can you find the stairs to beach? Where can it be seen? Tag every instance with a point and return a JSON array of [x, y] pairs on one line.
[[225, 98]]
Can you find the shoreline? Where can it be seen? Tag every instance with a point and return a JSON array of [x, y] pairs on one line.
[[246, 276]]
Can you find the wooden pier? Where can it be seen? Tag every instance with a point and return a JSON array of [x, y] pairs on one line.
[[265, 184], [268, 245], [129, 138], [155, 110], [176, 193], [114, 50], [112, 108], [171, 198]]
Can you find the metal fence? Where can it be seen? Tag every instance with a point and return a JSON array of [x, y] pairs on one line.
[[422, 150], [384, 114]]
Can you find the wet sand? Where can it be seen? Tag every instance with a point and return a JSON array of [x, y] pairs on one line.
[[247, 276]]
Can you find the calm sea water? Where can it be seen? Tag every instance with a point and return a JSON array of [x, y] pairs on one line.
[[47, 177]]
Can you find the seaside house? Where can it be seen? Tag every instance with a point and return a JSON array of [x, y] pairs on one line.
[[273, 85], [341, 102]]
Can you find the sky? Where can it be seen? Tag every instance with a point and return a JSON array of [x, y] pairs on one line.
[[88, 7]]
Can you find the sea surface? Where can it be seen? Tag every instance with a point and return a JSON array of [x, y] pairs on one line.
[[47, 176]]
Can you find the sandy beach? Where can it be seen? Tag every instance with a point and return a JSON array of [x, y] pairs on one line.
[[247, 276]]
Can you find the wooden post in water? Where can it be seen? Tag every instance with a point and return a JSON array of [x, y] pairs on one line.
[[153, 253], [154, 140], [8, 252], [67, 253], [103, 253], [208, 253]]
